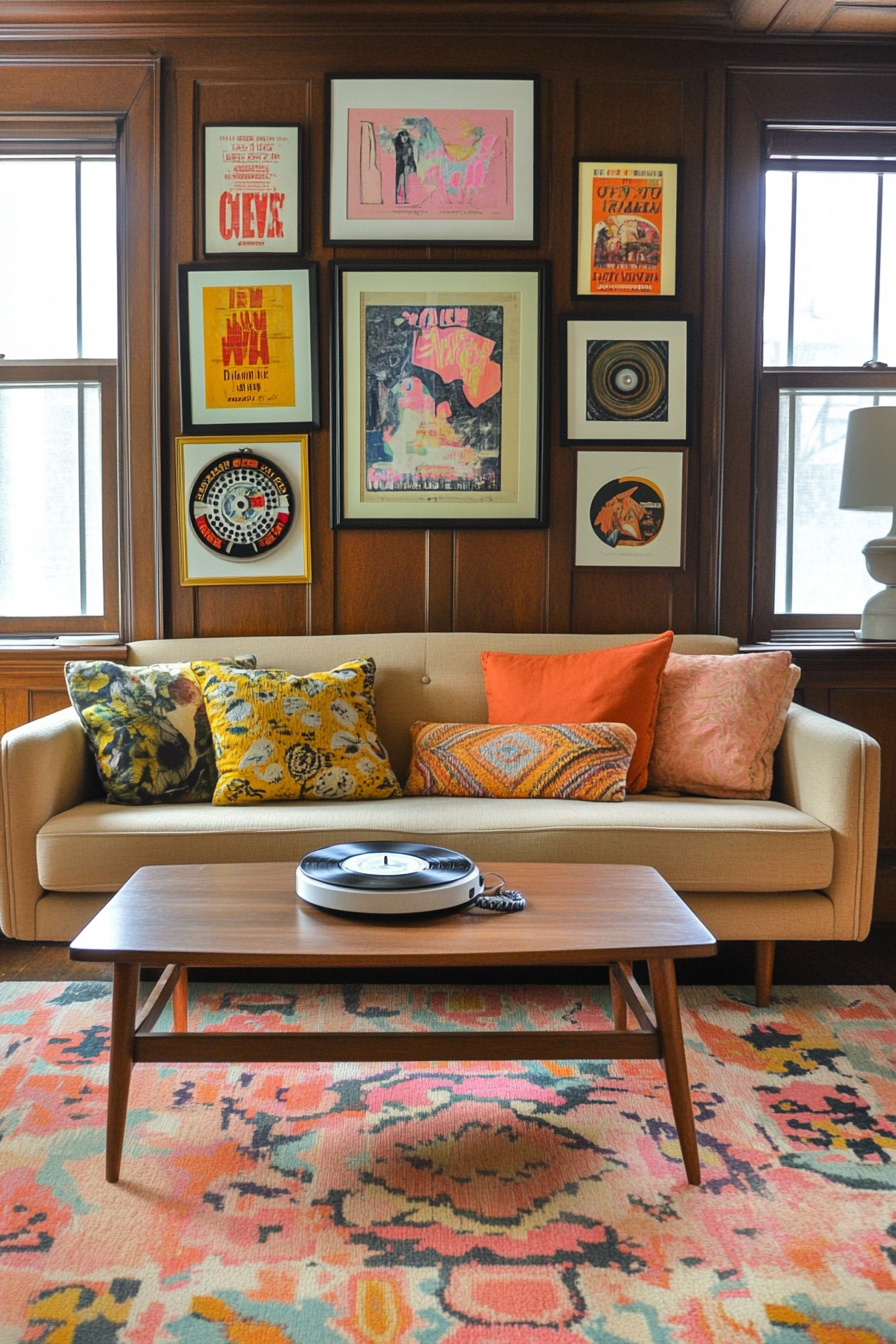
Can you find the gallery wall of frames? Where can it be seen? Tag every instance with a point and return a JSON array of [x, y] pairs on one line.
[[439, 332]]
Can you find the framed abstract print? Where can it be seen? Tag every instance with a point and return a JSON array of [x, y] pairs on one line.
[[248, 346], [626, 381], [251, 195], [432, 161], [438, 384], [630, 509], [627, 225], [243, 509]]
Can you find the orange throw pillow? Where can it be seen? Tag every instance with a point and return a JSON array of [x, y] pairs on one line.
[[620, 685]]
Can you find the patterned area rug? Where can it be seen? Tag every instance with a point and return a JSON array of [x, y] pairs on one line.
[[518, 1203]]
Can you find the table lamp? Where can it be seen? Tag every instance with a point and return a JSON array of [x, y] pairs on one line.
[[869, 483]]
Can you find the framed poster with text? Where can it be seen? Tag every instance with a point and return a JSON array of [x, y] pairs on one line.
[[627, 225], [438, 378], [251, 198], [432, 160], [248, 346]]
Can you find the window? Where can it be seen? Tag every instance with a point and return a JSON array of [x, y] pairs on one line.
[[829, 346], [58, 396]]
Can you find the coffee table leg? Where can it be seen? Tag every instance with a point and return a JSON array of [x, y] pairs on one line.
[[668, 1020], [180, 1001], [126, 979], [617, 998]]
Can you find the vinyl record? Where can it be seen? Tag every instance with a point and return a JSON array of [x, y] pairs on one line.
[[627, 511], [343, 866], [241, 506], [627, 380]]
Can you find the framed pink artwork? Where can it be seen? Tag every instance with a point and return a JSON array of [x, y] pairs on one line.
[[432, 160]]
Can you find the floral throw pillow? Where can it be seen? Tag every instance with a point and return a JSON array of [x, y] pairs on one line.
[[282, 736], [148, 728], [583, 761]]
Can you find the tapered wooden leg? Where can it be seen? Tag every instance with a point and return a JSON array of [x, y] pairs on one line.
[[617, 998], [126, 979], [765, 965], [180, 1001], [668, 1020]]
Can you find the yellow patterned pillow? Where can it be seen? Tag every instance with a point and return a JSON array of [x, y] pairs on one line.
[[585, 761], [281, 736]]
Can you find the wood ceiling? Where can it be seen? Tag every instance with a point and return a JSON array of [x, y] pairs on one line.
[[718, 18]]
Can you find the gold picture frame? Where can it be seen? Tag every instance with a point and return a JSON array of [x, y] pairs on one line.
[[626, 243], [243, 509]]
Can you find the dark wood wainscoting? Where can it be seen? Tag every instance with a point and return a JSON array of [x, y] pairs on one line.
[[32, 681]]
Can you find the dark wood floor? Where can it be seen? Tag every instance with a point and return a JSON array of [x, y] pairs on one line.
[[870, 963]]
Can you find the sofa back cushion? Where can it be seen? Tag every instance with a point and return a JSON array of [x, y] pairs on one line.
[[435, 677]]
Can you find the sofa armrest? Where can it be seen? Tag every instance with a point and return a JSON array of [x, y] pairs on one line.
[[832, 771], [45, 767]]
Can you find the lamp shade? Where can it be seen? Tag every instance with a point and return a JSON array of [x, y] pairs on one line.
[[869, 460]]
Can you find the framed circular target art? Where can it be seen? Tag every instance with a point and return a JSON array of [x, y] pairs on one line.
[[626, 381], [243, 510]]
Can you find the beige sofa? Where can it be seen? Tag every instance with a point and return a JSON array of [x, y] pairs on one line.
[[799, 866]]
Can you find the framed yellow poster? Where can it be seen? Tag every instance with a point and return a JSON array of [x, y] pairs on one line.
[[248, 346], [627, 220]]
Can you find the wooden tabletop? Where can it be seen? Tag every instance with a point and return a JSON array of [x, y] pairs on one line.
[[248, 914]]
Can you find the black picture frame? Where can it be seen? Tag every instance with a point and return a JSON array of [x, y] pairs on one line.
[[428, 225], [289, 173], [206, 404], [371, 298], [617, 373]]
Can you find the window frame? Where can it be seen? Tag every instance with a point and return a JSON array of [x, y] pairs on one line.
[[85, 100], [772, 380]]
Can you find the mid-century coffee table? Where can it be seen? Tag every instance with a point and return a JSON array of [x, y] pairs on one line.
[[248, 915]]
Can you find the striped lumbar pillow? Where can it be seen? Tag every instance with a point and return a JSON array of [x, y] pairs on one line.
[[584, 761]]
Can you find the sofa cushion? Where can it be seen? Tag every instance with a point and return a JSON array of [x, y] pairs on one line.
[[584, 761], [604, 686], [148, 728], [704, 844], [719, 722], [284, 737]]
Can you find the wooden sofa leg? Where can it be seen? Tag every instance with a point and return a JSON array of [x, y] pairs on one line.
[[765, 965]]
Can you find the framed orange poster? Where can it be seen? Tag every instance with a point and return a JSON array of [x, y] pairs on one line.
[[627, 228], [248, 346]]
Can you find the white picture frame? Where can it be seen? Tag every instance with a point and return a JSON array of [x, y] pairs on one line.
[[648, 358], [488, 196], [631, 489]]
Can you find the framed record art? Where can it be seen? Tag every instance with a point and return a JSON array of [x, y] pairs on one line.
[[627, 224], [438, 379], [243, 509], [248, 346], [251, 199], [626, 381], [432, 161], [630, 509]]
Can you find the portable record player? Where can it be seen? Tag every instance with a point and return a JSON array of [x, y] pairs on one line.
[[386, 877]]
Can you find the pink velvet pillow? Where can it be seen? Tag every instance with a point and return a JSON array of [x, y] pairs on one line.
[[719, 720]]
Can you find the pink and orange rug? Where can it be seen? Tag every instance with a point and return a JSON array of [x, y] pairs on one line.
[[520, 1203]]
